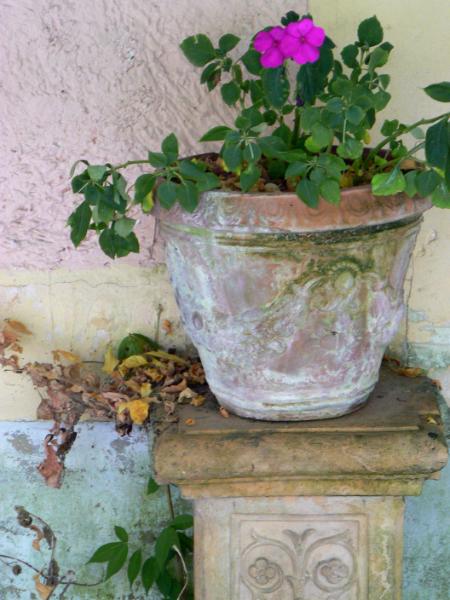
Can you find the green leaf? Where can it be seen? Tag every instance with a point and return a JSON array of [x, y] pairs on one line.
[[97, 172], [106, 552], [149, 573], [232, 155], [124, 226], [79, 182], [308, 191], [437, 144], [271, 145], [152, 486], [157, 160], [312, 77], [144, 185], [209, 181], [349, 56], [182, 522], [230, 93], [329, 189], [79, 223], [121, 533], [293, 155], [370, 32], [210, 71], [252, 152], [321, 135], [384, 80], [249, 177], [439, 91], [166, 539], [387, 184], [418, 133], [117, 561], [310, 116], [426, 182], [441, 196], [228, 41], [198, 49], [355, 114], [134, 566], [114, 245], [378, 58], [350, 149], [410, 187], [389, 127], [296, 169], [335, 105], [191, 170], [170, 147], [381, 100], [276, 86], [187, 194], [216, 134], [252, 62]]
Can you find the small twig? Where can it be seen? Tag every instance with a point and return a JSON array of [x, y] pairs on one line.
[[18, 560], [170, 502], [185, 572]]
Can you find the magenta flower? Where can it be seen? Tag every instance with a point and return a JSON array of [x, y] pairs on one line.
[[302, 41], [268, 43]]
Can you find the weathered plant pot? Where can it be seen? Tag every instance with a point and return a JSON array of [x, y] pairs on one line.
[[291, 308]]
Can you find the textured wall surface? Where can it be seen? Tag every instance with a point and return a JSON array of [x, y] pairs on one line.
[[103, 80]]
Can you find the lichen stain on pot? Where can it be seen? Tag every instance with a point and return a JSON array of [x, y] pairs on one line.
[[291, 311]]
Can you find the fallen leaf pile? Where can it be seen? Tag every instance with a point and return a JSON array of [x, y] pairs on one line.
[[123, 390]]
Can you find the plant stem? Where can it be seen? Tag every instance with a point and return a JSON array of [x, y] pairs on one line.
[[392, 137], [170, 502], [129, 163], [296, 132], [396, 160]]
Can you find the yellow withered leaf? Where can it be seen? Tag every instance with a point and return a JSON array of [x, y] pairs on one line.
[[66, 355], [145, 390], [111, 361], [167, 356], [138, 410], [43, 590], [18, 326], [134, 361]]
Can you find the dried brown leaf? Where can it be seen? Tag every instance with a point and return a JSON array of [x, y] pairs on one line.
[[198, 401], [167, 326], [17, 326], [43, 590], [60, 355], [190, 422], [177, 388], [223, 411]]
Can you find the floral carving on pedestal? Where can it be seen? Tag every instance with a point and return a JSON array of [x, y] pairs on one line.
[[301, 563]]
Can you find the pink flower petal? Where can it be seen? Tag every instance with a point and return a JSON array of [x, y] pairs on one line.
[[263, 41], [305, 26], [277, 33], [311, 52], [272, 59], [306, 54], [316, 36], [289, 45]]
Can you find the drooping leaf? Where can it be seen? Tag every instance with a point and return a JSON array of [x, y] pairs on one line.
[[249, 177], [167, 194], [143, 186], [349, 55], [134, 566], [437, 144], [426, 182], [230, 93], [166, 539], [106, 552], [276, 86], [79, 223], [149, 573], [182, 522], [124, 226], [158, 160], [117, 561], [252, 62], [329, 189], [97, 172], [187, 195], [308, 191]]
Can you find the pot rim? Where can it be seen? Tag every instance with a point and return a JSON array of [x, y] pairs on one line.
[[283, 212]]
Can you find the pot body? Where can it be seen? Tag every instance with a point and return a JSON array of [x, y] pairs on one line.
[[291, 308]]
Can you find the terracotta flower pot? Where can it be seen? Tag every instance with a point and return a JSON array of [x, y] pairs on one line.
[[291, 308]]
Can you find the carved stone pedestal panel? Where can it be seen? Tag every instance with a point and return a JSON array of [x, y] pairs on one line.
[[314, 548], [304, 511]]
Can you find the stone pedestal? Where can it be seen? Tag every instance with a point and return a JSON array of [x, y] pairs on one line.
[[304, 511]]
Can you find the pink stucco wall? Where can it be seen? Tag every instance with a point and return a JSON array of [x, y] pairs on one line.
[[103, 80]]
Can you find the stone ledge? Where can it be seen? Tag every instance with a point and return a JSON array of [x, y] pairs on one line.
[[389, 447]]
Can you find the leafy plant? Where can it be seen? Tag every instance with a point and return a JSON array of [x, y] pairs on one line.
[[166, 568], [306, 131]]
